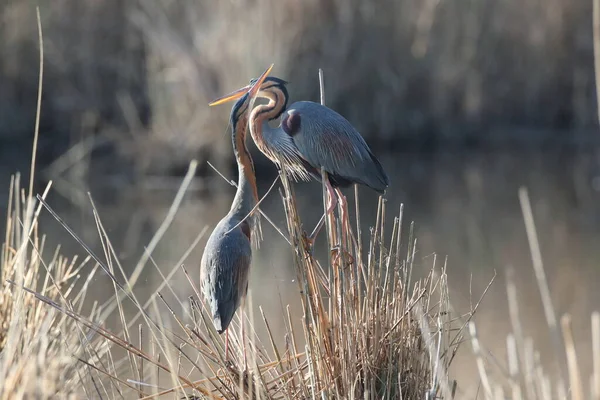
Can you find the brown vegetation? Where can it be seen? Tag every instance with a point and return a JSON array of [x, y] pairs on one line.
[[368, 329]]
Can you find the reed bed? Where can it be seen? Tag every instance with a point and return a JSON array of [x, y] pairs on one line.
[[368, 329], [40, 348]]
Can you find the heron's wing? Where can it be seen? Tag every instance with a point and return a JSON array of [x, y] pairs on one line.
[[225, 266], [326, 139], [282, 150]]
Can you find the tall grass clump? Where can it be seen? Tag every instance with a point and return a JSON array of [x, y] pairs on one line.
[[39, 347], [368, 329]]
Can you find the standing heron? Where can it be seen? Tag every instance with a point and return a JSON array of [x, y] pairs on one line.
[[226, 259], [311, 136]]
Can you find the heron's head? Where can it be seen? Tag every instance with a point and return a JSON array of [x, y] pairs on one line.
[[265, 86], [270, 81], [245, 96], [274, 89]]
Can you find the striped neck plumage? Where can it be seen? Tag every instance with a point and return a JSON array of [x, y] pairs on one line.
[[274, 143], [246, 196], [260, 115]]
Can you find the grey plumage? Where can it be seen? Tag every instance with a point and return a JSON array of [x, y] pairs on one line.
[[338, 147], [224, 271], [225, 264], [311, 136]]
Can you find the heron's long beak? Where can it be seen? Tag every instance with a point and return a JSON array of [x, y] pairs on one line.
[[253, 89]]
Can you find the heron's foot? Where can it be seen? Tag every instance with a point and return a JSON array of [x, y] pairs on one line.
[[337, 252], [308, 241]]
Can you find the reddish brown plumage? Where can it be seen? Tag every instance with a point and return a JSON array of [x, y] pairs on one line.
[[245, 226], [291, 123]]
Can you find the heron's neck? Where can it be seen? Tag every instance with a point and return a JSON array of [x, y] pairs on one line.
[[263, 113], [246, 196]]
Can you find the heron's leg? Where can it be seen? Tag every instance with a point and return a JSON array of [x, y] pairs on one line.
[[331, 203], [346, 229], [343, 214]]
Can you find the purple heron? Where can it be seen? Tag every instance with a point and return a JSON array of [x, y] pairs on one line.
[[311, 136], [226, 260]]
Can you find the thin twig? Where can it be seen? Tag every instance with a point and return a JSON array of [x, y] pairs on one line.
[[540, 274], [596, 33], [39, 103], [322, 86]]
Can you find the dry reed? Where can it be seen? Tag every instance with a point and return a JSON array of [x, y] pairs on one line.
[[367, 331]]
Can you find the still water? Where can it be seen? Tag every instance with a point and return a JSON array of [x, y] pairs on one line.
[[464, 206]]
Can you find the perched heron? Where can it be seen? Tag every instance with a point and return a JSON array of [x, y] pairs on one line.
[[226, 259], [311, 136]]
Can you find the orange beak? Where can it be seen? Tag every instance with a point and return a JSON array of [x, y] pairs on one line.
[[253, 89]]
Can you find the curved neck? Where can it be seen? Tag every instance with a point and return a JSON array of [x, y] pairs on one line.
[[263, 113], [246, 195]]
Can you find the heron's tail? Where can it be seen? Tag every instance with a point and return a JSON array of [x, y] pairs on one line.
[[377, 177], [218, 323]]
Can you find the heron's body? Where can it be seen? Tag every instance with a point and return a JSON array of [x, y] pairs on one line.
[[320, 137], [225, 264], [225, 268], [311, 136]]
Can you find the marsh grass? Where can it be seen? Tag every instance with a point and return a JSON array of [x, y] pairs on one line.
[[367, 328], [39, 347]]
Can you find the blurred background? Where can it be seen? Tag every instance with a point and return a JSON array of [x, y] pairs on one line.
[[463, 101]]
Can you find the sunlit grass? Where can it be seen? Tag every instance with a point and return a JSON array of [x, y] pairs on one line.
[[367, 327], [367, 330]]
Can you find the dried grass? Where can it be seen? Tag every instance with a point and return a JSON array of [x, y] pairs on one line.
[[39, 348], [366, 331]]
